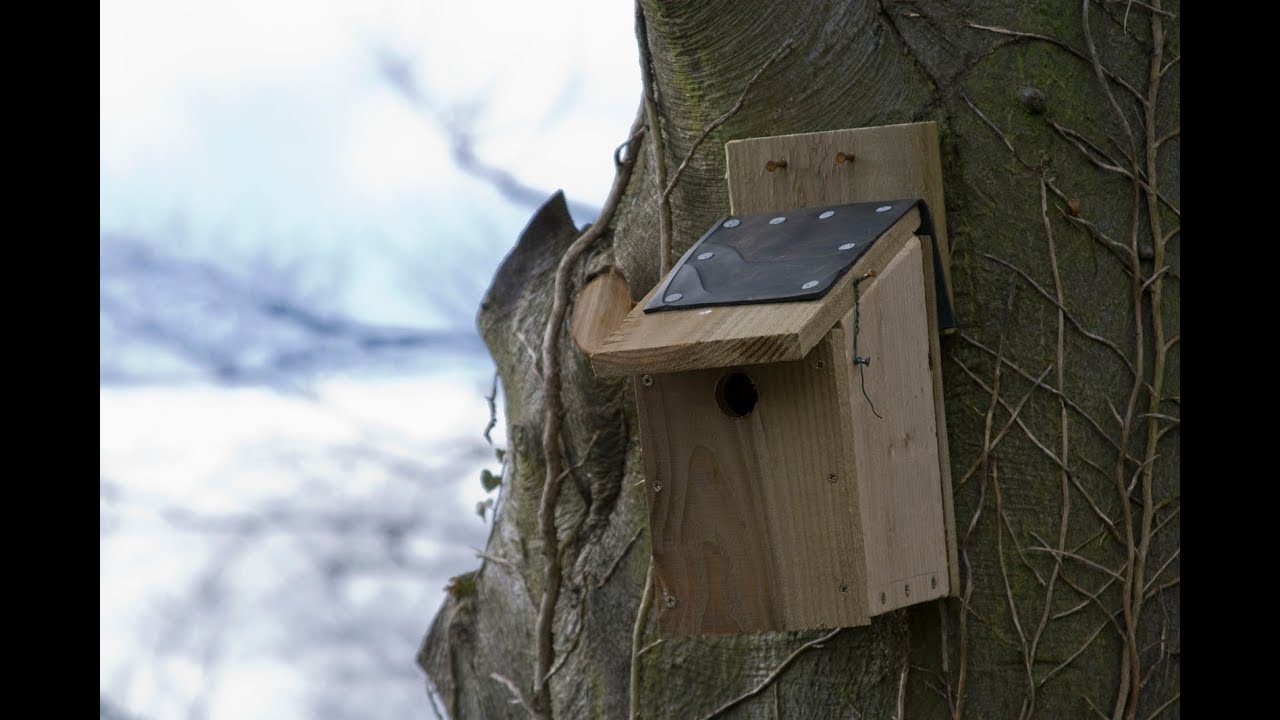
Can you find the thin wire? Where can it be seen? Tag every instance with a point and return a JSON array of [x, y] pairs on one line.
[[861, 362]]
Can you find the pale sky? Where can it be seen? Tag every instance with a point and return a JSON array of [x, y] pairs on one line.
[[267, 125], [243, 130]]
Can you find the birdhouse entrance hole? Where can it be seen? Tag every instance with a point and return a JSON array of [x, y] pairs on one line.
[[736, 395]]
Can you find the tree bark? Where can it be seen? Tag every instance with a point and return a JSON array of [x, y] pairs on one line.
[[1059, 128]]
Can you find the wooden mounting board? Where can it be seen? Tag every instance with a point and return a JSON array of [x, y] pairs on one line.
[[678, 340], [889, 162]]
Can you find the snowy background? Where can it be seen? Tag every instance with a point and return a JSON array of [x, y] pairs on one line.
[[300, 207]]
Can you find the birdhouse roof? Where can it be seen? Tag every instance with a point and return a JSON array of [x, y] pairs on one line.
[[756, 289]]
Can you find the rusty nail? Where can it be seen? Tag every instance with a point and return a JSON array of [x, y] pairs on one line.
[[842, 158], [774, 165]]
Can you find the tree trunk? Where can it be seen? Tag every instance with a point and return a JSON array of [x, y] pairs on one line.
[[1059, 131]]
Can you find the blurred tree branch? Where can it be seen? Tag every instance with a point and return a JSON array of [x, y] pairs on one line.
[[235, 328], [400, 75]]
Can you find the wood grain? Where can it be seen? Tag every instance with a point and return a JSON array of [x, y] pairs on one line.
[[598, 309], [899, 481], [889, 162], [677, 340], [754, 519]]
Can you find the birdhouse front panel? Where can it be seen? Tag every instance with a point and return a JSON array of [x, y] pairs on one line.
[[753, 497]]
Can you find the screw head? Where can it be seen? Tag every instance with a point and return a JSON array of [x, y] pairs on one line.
[[732, 223], [933, 582], [826, 214], [778, 220], [1033, 98], [882, 599], [671, 601], [884, 208], [906, 589], [844, 588], [673, 297], [819, 364], [646, 380], [706, 256], [832, 477], [848, 246], [810, 284], [657, 487]]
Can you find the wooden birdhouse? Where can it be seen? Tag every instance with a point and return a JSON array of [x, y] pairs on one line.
[[788, 382]]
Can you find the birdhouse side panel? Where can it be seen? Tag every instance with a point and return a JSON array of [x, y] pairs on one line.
[[895, 437]]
